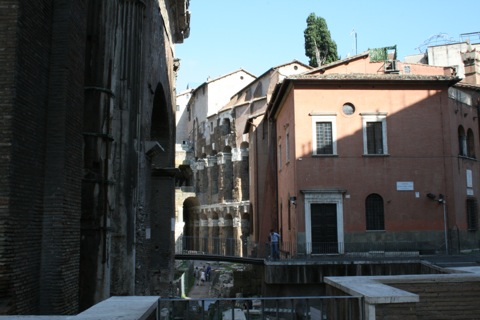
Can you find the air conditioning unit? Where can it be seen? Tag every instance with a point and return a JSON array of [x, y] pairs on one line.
[[391, 66]]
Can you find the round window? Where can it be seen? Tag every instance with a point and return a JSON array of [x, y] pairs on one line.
[[348, 109]]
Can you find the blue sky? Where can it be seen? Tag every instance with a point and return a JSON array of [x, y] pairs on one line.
[[258, 34]]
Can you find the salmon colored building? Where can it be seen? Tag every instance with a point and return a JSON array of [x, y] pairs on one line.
[[375, 156]]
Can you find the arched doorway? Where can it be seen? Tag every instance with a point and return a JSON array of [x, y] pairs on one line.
[[188, 234], [159, 150]]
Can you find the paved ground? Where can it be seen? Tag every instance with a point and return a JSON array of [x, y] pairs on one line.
[[200, 292], [455, 260]]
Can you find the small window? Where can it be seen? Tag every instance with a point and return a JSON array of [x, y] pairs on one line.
[[226, 126], [348, 109], [374, 212], [470, 144], [472, 214], [374, 134], [324, 135], [374, 137], [324, 138], [462, 142]]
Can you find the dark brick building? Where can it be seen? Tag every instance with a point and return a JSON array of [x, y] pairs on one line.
[[87, 137]]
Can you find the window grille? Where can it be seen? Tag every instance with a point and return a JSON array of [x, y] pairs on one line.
[[324, 138]]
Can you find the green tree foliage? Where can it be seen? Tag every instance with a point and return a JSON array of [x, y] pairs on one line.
[[319, 46]]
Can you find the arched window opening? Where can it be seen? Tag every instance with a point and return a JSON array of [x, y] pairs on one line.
[[462, 142], [258, 91], [226, 126], [374, 212], [470, 144], [472, 214]]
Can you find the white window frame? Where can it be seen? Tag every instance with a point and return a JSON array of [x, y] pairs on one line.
[[374, 117], [332, 118]]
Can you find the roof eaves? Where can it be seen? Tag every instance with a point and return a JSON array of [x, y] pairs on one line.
[[359, 77], [475, 87]]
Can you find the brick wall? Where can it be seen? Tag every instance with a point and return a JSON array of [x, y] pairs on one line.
[[438, 300], [42, 99], [63, 160], [42, 90], [26, 37], [8, 22]]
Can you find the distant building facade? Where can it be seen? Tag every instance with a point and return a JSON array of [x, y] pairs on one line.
[[221, 216], [446, 55], [209, 169], [88, 146]]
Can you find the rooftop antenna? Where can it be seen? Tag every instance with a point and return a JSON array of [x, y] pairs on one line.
[[471, 36], [355, 33], [435, 40]]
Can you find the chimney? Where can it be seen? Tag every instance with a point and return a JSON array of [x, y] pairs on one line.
[[471, 61]]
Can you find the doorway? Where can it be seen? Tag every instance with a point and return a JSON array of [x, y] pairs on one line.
[[324, 228], [324, 232]]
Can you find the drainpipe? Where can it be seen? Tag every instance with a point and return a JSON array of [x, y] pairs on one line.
[[444, 204]]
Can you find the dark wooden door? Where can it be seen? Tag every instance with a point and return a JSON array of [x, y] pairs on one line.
[[324, 228]]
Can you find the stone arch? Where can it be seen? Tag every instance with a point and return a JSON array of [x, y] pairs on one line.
[[189, 218], [160, 154], [203, 233], [215, 233], [228, 236], [226, 126], [243, 172], [162, 130], [245, 233]]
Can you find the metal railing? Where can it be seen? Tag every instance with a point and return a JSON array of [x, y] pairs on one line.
[[311, 307], [300, 251]]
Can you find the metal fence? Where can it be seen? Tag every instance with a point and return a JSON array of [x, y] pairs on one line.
[[321, 307], [301, 251]]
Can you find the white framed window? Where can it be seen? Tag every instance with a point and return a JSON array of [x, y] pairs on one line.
[[374, 133], [324, 134]]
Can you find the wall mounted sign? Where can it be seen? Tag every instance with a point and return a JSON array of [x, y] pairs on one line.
[[404, 185]]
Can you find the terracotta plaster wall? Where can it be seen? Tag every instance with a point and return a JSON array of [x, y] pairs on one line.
[[416, 152]]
